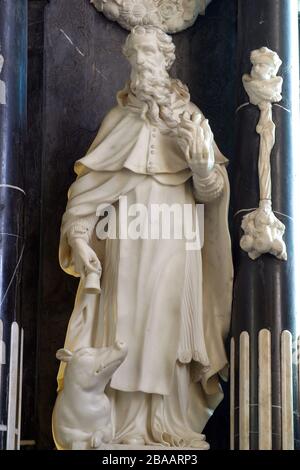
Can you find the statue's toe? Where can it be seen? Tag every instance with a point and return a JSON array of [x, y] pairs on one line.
[[133, 440]]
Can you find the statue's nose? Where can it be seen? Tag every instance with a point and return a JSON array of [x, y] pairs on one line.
[[140, 60]]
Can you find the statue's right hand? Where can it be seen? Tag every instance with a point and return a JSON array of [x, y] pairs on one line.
[[195, 139], [85, 259]]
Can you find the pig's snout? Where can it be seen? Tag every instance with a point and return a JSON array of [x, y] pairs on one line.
[[112, 358]]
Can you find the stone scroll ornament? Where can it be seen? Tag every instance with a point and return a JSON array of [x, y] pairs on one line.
[[263, 232], [169, 15]]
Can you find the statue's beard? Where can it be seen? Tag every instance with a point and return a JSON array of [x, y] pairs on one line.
[[158, 92]]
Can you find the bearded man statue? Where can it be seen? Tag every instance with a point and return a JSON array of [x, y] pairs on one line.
[[170, 305]]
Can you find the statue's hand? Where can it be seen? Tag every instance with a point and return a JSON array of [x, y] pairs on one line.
[[195, 139], [85, 259]]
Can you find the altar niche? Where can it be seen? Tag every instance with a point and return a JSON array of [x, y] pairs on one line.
[[83, 69]]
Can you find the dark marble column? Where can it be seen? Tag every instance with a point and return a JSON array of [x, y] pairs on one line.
[[13, 49], [265, 291]]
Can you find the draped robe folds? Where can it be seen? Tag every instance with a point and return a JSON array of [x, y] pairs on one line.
[[263, 90], [170, 305]]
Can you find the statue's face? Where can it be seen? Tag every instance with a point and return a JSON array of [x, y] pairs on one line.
[[262, 71], [144, 53]]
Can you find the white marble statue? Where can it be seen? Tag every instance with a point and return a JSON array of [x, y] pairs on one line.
[[263, 231], [170, 305]]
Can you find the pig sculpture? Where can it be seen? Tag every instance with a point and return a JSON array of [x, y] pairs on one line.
[[82, 413]]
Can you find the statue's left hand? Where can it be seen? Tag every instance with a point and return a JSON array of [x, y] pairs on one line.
[[195, 139]]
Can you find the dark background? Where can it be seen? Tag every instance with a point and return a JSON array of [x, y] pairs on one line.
[[70, 89]]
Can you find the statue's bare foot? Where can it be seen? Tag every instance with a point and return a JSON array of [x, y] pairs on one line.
[[200, 443], [133, 440], [96, 440], [201, 437]]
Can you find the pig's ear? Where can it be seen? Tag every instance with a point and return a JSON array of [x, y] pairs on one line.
[[64, 355]]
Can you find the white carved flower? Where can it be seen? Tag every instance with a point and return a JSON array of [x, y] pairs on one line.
[[111, 9], [139, 12], [172, 13], [98, 4], [168, 9], [190, 9]]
